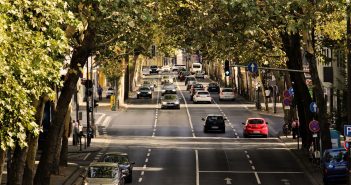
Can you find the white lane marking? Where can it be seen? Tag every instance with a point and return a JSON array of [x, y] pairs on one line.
[[187, 111], [248, 156], [140, 179], [149, 150], [253, 168], [100, 118], [85, 158], [142, 173], [197, 167], [148, 155], [225, 116], [250, 162], [106, 122], [144, 166], [257, 178], [245, 152], [146, 160]]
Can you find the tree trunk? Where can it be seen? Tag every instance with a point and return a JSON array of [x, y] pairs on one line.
[[126, 78], [29, 169], [65, 135], [79, 58], [15, 175], [2, 162], [318, 90], [292, 48]]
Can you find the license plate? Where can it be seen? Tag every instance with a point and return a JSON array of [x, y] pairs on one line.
[[215, 127], [256, 132]]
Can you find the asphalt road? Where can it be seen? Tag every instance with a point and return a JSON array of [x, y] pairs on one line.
[[170, 148]]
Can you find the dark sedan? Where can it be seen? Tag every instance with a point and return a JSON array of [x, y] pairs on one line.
[[123, 161], [170, 101], [144, 92], [213, 87], [214, 122]]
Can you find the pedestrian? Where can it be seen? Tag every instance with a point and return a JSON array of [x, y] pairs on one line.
[[100, 92], [295, 128], [317, 156], [75, 132]]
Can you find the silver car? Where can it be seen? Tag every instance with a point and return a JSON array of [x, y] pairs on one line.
[[170, 101], [104, 173]]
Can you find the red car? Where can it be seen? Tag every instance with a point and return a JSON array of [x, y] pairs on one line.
[[255, 127]]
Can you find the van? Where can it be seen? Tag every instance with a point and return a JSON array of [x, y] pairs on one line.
[[196, 67]]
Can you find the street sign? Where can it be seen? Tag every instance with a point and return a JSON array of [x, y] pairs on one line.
[[286, 94], [313, 107], [287, 101], [347, 133], [252, 67], [314, 126], [291, 91]]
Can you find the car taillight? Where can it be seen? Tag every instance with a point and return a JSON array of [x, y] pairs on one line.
[[197, 95]]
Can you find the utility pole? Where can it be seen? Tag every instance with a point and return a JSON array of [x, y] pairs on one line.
[[348, 9], [87, 99], [92, 95]]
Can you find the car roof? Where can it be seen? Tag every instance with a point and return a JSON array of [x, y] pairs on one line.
[[202, 91], [116, 153], [214, 115], [255, 118], [106, 164], [227, 88]]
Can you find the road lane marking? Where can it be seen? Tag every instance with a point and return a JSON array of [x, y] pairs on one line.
[[225, 116], [250, 162], [253, 168], [142, 173], [146, 160], [248, 156], [257, 178], [197, 167], [187, 111], [149, 150], [85, 158], [140, 179], [144, 166]]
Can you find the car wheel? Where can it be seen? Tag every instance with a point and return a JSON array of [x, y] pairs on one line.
[[178, 107], [138, 97], [205, 130], [245, 135], [223, 131]]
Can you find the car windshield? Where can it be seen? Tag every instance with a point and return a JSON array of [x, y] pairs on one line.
[[196, 66], [144, 89], [170, 97], [102, 172], [191, 79], [212, 84], [255, 121], [214, 118], [203, 93], [335, 156], [110, 89], [120, 159], [227, 90], [147, 82], [198, 86], [153, 67]]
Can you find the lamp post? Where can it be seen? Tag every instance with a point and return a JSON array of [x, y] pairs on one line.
[[348, 39]]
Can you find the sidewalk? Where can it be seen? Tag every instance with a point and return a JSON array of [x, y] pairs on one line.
[[279, 113]]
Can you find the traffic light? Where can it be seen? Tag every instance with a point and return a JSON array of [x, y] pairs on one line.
[[226, 68]]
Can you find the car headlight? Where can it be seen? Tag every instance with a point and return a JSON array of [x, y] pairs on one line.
[[177, 102], [164, 103], [149, 92], [138, 92], [163, 90], [173, 90]]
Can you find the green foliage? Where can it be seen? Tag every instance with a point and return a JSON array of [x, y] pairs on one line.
[[33, 44]]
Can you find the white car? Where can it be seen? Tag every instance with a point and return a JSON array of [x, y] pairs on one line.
[[166, 80], [104, 173], [110, 91], [202, 96], [227, 94]]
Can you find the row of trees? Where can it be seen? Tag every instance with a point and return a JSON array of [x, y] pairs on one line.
[[36, 37]]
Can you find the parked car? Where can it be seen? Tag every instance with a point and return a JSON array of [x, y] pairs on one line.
[[255, 127], [189, 78], [169, 89], [149, 84], [202, 96], [122, 160], [213, 87], [335, 165], [214, 122], [153, 70], [170, 101], [144, 92], [104, 173], [110, 91], [227, 94]]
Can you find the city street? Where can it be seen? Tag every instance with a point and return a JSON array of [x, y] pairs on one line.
[[170, 146]]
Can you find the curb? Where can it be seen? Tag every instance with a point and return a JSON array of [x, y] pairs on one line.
[[74, 177]]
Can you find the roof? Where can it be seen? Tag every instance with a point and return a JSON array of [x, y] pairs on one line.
[[214, 115], [255, 118], [107, 164]]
